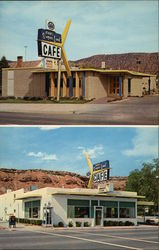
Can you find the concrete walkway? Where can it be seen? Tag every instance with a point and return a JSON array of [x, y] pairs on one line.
[[4, 226], [50, 108]]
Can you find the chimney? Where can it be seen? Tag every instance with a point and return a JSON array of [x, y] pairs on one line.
[[103, 65], [19, 61]]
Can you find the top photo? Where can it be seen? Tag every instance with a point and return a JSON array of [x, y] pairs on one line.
[[79, 63]]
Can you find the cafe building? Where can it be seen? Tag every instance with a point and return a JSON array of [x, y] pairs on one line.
[[31, 79], [54, 205]]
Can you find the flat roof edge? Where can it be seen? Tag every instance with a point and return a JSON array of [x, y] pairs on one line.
[[139, 74]]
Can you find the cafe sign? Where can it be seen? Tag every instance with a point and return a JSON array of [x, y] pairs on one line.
[[49, 50], [99, 172]]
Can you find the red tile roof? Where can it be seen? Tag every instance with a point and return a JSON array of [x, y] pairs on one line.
[[27, 64]]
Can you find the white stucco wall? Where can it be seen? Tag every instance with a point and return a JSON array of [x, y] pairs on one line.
[[58, 202], [10, 205]]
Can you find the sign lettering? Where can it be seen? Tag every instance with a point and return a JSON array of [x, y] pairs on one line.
[[49, 50], [48, 35], [101, 176], [101, 165]]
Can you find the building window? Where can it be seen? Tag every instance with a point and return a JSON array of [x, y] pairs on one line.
[[80, 83], [35, 212], [129, 86], [127, 209], [74, 82], [110, 212], [110, 209], [81, 212], [55, 82], [78, 208], [61, 83], [32, 209], [93, 204], [67, 82]]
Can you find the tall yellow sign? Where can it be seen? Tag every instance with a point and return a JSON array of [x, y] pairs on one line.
[[61, 45], [103, 174]]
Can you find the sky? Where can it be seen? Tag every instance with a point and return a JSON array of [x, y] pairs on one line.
[[62, 148], [98, 27]]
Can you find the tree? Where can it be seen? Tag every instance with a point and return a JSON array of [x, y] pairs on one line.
[[3, 64], [145, 181]]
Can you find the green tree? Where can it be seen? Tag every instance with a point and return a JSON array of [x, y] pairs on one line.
[[3, 64], [145, 181]]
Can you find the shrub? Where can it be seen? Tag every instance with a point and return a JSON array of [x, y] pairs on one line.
[[26, 98], [70, 224], [60, 224], [110, 223], [78, 224], [86, 224], [118, 223], [121, 223], [3, 97], [11, 97], [28, 221], [115, 223], [129, 223], [35, 98]]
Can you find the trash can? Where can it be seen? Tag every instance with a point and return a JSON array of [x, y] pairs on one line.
[[12, 221]]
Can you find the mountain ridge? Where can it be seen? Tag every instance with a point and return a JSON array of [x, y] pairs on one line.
[[135, 61], [15, 179]]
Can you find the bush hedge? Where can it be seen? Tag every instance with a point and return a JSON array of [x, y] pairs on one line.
[[29, 221], [117, 223], [60, 224], [70, 224], [86, 224], [78, 224]]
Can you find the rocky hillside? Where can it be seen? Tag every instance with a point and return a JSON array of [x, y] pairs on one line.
[[15, 179], [143, 62]]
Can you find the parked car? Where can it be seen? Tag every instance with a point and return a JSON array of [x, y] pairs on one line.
[[153, 221]]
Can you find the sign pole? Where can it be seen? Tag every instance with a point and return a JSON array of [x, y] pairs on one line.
[[59, 80]]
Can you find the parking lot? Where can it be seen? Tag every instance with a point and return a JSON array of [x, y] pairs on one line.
[[136, 238]]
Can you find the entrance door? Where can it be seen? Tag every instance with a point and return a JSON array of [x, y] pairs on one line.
[[48, 216], [129, 86], [114, 86], [98, 216]]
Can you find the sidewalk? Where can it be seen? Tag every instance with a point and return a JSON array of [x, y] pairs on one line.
[[4, 226], [51, 108]]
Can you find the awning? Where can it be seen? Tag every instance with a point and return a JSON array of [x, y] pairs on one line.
[[145, 203], [108, 194], [29, 196], [103, 71]]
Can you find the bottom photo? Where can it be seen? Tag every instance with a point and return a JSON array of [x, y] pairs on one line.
[[79, 187]]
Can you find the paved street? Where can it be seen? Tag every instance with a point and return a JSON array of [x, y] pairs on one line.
[[138, 238], [131, 111]]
